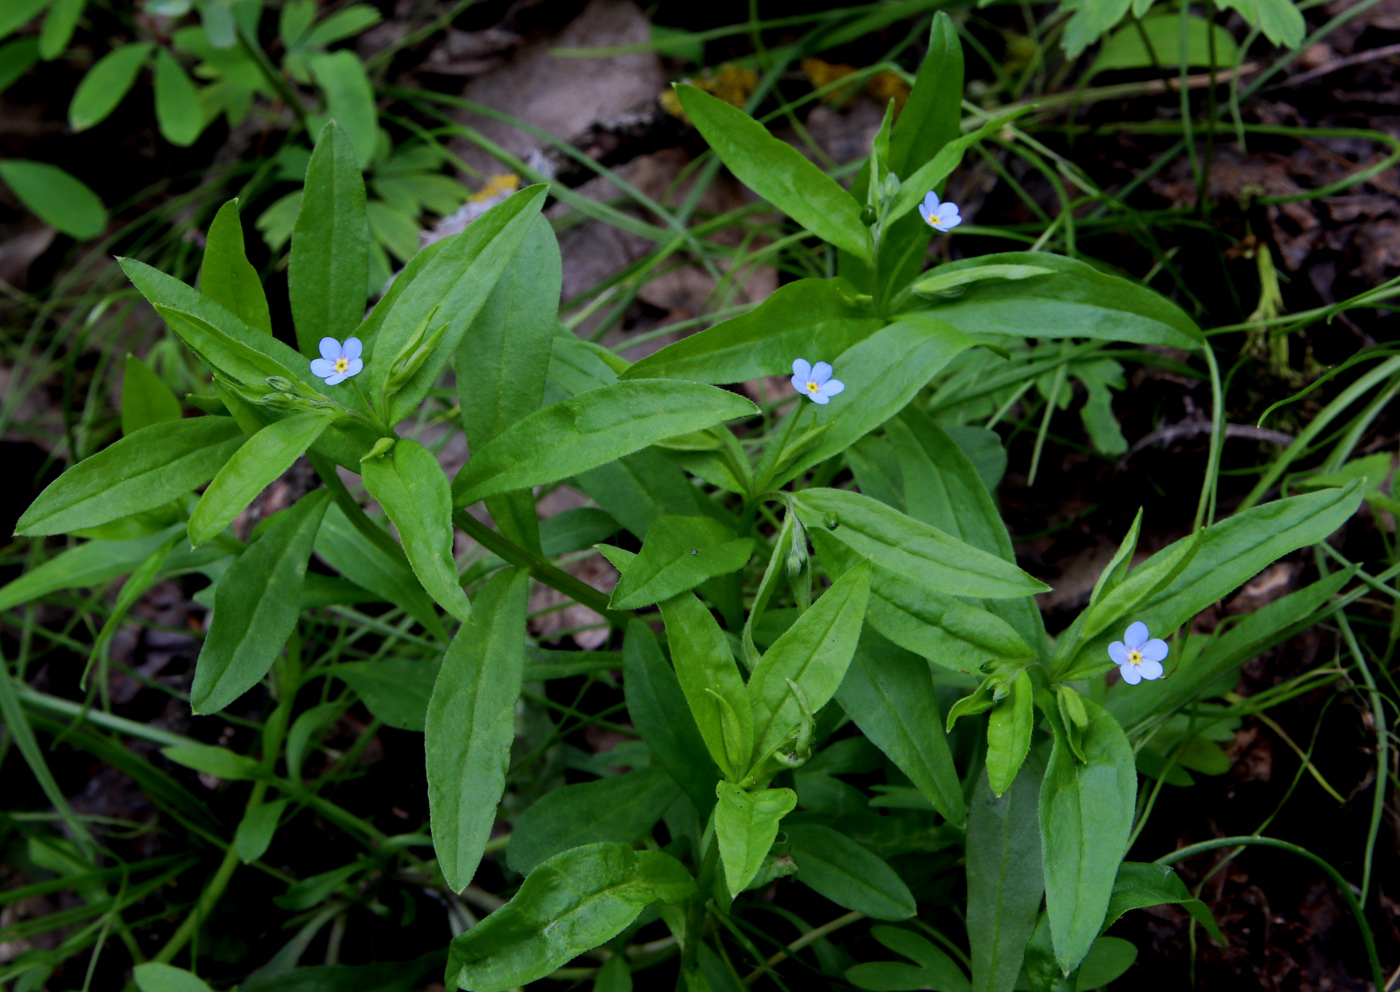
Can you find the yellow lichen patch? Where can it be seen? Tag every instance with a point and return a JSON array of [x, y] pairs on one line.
[[497, 188], [732, 83], [822, 74]]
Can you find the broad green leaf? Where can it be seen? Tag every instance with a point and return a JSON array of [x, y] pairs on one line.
[[623, 809], [1009, 733], [105, 84], [155, 977], [59, 24], [344, 23], [1106, 961], [932, 114], [394, 230], [1126, 49], [379, 566], [212, 760], [17, 13], [16, 58], [1086, 814], [227, 277], [471, 724], [145, 399], [256, 829], [570, 904], [710, 679], [1228, 555], [349, 99], [456, 283], [889, 694], [256, 607], [814, 653], [92, 563], [834, 866], [815, 317], [179, 112], [326, 275], [778, 172], [395, 690], [1004, 876], [142, 471], [640, 488], [1280, 20], [1078, 300], [503, 357], [251, 469], [678, 555], [746, 824], [591, 429], [55, 197], [934, 970], [882, 374], [903, 545], [411, 486], [1139, 885], [613, 975], [658, 710], [940, 282]]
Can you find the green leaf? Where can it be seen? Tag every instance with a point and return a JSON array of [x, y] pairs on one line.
[[1280, 20], [179, 112], [256, 607], [710, 679], [1106, 961], [933, 112], [145, 399], [105, 84], [455, 281], [55, 197], [931, 176], [882, 374], [16, 58], [395, 230], [1004, 876], [218, 761], [349, 99], [658, 710], [814, 653], [142, 471], [327, 273], [622, 809], [1086, 814], [836, 867], [1228, 554], [344, 23], [155, 977], [678, 555], [1127, 50], [1139, 885], [570, 904], [395, 690], [778, 172], [411, 486], [253, 467], [819, 317], [256, 829], [1078, 300], [58, 27], [935, 969], [941, 282], [591, 429], [639, 488], [746, 824], [1009, 733], [471, 724], [901, 544], [92, 563], [17, 13], [227, 277]]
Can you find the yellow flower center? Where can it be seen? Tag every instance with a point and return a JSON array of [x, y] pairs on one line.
[[1135, 657], [341, 364], [813, 388]]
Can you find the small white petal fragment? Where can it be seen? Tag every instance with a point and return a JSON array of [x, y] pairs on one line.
[[338, 362], [1137, 656]]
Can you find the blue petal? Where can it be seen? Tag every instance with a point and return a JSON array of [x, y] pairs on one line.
[[801, 369], [819, 398], [1151, 670], [322, 366], [832, 386], [336, 379], [330, 349], [1136, 636], [799, 383], [355, 365], [1130, 674], [1155, 649], [1118, 652], [821, 372], [353, 348], [930, 203]]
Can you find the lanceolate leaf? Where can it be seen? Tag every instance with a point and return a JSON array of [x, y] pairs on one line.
[[329, 268], [678, 555], [570, 904], [1009, 733], [1138, 886], [106, 83], [592, 429], [145, 399], [931, 116], [410, 485], [178, 109], [746, 824], [838, 868], [778, 172], [253, 467], [889, 694], [471, 723], [56, 198], [1086, 814], [710, 679], [227, 277], [143, 470], [256, 607]]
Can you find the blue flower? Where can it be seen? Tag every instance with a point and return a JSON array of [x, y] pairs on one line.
[[338, 362], [1138, 658], [939, 216], [815, 381]]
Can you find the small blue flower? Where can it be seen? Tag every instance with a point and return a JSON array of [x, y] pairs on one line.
[[338, 362], [939, 216], [815, 381], [1138, 658]]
